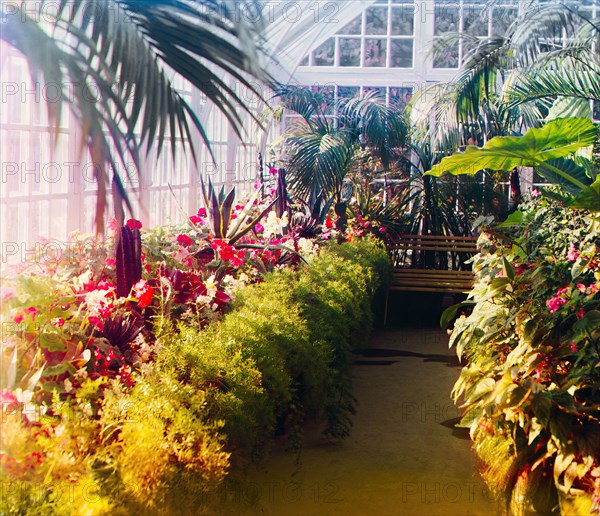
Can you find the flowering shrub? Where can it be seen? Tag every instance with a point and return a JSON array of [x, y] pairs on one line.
[[142, 398], [531, 386]]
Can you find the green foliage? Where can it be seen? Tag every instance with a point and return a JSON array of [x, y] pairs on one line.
[[219, 213], [531, 386], [556, 139]]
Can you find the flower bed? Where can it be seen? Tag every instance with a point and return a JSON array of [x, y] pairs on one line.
[[531, 386], [147, 399]]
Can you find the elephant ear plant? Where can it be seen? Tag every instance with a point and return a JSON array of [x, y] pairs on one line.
[[549, 149]]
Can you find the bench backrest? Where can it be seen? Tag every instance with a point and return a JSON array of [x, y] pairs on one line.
[[432, 251]]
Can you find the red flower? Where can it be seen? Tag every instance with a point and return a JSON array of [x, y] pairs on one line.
[[143, 293], [109, 262], [134, 224], [202, 212], [328, 223], [18, 318], [226, 252], [238, 260], [96, 321], [184, 240], [194, 219]]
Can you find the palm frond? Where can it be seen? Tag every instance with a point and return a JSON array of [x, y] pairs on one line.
[[319, 161], [126, 51]]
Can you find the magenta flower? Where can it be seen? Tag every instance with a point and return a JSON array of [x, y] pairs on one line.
[[572, 253], [555, 302], [184, 240], [273, 171]]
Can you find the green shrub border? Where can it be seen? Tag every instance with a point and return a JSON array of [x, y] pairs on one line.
[[280, 356]]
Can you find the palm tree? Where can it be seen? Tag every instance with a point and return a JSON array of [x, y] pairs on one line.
[[502, 87], [474, 105], [118, 55], [324, 144]]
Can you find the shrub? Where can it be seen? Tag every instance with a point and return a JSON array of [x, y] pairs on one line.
[[531, 387]]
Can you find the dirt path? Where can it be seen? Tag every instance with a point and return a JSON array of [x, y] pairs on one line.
[[403, 457]]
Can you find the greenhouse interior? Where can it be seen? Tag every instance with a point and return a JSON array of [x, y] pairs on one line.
[[328, 257]]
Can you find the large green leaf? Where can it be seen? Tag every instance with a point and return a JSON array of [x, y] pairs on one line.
[[589, 198], [556, 139], [549, 172]]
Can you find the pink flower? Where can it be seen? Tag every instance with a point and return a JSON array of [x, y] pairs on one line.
[[273, 171], [194, 219], [58, 322], [18, 318], [382, 229], [582, 288], [113, 225], [258, 227], [134, 224], [33, 311], [184, 240], [535, 193], [555, 302], [573, 346], [202, 212], [8, 399], [580, 314], [143, 293], [572, 253], [256, 186], [110, 262]]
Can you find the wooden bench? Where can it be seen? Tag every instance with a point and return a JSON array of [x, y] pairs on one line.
[[431, 263]]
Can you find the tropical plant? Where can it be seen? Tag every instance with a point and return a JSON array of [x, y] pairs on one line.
[[219, 215], [530, 387], [545, 148], [125, 51], [322, 146]]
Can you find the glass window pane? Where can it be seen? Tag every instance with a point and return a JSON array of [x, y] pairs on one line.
[[375, 52], [304, 61], [348, 92], [400, 95], [446, 19], [403, 21], [402, 53], [448, 58], [349, 52], [474, 21], [379, 90], [323, 55], [376, 20], [354, 27], [502, 17]]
